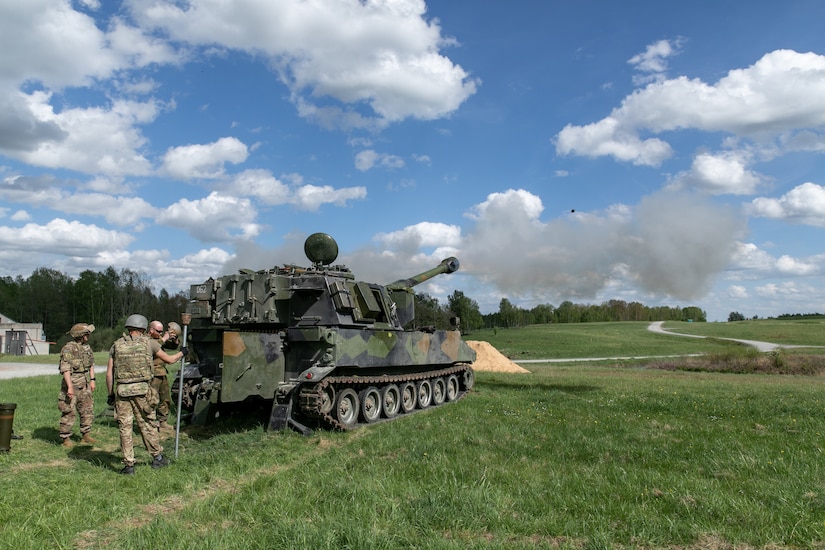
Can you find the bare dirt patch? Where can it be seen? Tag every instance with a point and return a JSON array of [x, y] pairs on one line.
[[489, 359], [775, 362]]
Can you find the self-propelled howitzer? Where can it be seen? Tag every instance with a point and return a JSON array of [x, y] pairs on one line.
[[322, 347]]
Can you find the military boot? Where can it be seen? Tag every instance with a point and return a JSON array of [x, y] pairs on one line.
[[87, 438], [67, 442]]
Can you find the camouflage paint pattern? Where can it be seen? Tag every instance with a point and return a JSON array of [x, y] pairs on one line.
[[364, 349], [253, 365]]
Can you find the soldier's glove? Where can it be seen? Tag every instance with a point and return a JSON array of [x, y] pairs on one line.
[[185, 351], [110, 400]]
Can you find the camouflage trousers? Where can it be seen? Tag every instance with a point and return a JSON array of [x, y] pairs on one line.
[[141, 410], [161, 385], [81, 404]]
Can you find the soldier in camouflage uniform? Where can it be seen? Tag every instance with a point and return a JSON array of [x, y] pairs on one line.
[[168, 342], [173, 345], [77, 370], [127, 377]]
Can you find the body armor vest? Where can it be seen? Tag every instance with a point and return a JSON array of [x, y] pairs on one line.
[[133, 360]]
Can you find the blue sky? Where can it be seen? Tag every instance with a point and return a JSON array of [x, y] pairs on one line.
[[581, 151]]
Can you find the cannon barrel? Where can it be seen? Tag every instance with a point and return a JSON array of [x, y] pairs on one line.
[[447, 265]]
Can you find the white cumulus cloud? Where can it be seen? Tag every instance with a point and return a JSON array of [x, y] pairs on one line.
[[270, 191], [215, 218], [719, 174], [60, 236], [204, 160], [783, 92], [380, 53], [608, 137], [803, 204], [652, 63], [443, 237], [368, 159], [737, 292]]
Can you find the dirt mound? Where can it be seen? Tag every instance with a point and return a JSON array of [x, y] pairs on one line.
[[490, 359]]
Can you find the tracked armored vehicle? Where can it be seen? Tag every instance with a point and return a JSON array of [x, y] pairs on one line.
[[325, 349]]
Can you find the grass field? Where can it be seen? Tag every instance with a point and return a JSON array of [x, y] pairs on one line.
[[628, 339], [564, 457], [580, 340]]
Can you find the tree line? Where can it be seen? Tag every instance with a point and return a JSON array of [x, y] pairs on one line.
[[736, 316], [103, 299], [428, 312], [106, 298]]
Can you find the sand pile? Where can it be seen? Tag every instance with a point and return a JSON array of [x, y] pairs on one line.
[[490, 359]]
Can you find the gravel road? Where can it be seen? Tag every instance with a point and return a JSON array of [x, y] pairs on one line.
[[21, 370], [761, 346]]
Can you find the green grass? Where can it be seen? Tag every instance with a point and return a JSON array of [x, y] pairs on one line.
[[580, 340], [571, 457], [633, 339]]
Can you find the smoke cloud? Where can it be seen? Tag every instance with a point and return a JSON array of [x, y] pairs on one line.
[[671, 244]]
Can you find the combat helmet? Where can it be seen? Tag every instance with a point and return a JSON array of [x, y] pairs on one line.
[[80, 329], [174, 327], [137, 321]]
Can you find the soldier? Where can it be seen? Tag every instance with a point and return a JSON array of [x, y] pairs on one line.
[[127, 378], [174, 341], [78, 384], [168, 342]]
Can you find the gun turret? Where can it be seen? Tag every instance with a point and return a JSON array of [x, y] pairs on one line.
[[403, 295], [447, 265]]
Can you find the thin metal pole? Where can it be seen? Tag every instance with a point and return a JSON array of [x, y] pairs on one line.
[[185, 319]]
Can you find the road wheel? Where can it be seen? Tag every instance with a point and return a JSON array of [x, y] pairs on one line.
[[347, 407], [469, 379], [370, 404], [452, 388], [390, 400], [327, 399], [408, 397], [439, 391], [424, 391]]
